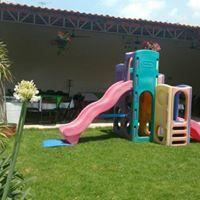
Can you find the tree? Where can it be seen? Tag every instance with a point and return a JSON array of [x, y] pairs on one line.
[[5, 75]]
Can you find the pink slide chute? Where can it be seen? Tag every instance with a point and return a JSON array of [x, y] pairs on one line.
[[195, 130], [73, 130]]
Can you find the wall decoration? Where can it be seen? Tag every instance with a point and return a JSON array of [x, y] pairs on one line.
[[62, 41], [151, 45]]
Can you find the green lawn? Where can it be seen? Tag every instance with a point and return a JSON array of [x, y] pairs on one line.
[[103, 166]]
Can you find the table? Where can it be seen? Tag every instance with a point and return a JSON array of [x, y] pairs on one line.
[[40, 105], [58, 98]]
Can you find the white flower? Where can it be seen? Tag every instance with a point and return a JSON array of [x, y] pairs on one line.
[[16, 96], [35, 99], [26, 91]]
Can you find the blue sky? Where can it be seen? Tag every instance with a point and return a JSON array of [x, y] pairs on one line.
[[176, 11]]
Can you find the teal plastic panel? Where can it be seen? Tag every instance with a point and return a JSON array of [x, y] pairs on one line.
[[145, 74]]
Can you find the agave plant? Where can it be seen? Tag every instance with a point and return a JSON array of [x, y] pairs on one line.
[[5, 75]]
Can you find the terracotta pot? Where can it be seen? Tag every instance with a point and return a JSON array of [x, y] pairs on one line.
[[9, 129]]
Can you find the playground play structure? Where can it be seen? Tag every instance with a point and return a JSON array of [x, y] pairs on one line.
[[146, 109]]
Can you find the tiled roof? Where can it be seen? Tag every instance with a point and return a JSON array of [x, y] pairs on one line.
[[105, 17]]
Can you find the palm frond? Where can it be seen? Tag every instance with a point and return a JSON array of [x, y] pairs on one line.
[[5, 63]]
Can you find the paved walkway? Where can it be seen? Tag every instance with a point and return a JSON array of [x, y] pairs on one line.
[[93, 125]]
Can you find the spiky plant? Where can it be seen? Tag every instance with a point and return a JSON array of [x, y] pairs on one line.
[[18, 183], [5, 75]]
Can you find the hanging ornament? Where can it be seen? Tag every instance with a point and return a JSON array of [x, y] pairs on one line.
[[62, 40]]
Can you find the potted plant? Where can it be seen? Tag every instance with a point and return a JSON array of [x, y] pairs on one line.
[[5, 76]]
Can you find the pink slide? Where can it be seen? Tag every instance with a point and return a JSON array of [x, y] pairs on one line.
[[195, 130], [73, 130]]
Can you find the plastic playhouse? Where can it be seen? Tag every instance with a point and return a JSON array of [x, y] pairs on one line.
[[146, 109]]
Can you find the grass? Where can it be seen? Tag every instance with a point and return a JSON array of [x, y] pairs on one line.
[[103, 166]]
